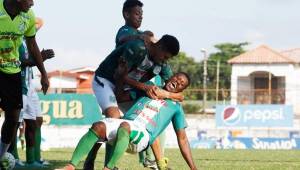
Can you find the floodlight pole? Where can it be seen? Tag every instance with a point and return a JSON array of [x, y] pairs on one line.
[[204, 80]]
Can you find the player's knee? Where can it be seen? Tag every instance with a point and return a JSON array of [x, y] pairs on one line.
[[126, 126], [99, 128], [112, 112]]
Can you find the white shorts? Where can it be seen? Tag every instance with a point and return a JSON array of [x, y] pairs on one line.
[[104, 92], [31, 105], [141, 137]]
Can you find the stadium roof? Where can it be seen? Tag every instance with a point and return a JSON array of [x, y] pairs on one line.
[[263, 55]]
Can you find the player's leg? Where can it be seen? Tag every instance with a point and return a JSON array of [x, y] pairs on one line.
[[36, 109], [120, 146], [96, 133], [11, 103], [103, 90], [22, 134], [29, 138], [38, 139]]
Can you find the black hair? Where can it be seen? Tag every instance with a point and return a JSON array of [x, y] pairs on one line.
[[170, 44], [187, 77], [128, 4]]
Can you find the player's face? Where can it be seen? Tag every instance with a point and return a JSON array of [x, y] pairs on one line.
[[177, 83], [135, 16], [25, 5], [161, 56]]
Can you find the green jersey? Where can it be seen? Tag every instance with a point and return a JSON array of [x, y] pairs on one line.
[[155, 115], [11, 37], [125, 31], [141, 67]]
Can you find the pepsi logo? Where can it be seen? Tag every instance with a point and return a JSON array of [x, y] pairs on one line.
[[231, 115]]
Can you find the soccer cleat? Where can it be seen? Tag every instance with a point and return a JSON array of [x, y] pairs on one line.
[[44, 162], [163, 164], [19, 163], [67, 167], [150, 164], [34, 165]]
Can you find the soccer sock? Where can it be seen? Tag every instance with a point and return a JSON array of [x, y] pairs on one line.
[[141, 157], [15, 150], [29, 154], [121, 145], [3, 148], [37, 144], [84, 146], [149, 154], [109, 149]]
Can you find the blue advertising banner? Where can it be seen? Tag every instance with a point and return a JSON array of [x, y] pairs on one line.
[[254, 116], [263, 143], [70, 109]]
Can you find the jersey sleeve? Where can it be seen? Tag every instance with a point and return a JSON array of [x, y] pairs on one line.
[[178, 119], [166, 72], [31, 31], [134, 53]]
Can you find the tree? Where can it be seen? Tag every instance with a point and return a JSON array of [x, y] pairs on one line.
[[183, 63], [225, 52]]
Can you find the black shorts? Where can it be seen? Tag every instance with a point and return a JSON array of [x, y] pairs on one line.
[[10, 91]]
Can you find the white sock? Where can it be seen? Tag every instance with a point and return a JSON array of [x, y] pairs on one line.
[[3, 148]]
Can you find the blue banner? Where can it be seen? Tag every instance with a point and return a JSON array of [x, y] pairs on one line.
[[254, 116], [263, 143]]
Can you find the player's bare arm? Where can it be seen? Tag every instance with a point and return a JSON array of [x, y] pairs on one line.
[[163, 94], [185, 148], [34, 51]]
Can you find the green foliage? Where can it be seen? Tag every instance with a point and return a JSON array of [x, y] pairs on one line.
[[183, 63], [191, 108], [225, 51]]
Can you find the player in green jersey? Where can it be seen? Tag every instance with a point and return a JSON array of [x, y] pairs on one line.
[[132, 13], [16, 22], [144, 122]]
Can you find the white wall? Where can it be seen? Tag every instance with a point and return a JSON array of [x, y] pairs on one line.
[[289, 71], [63, 82]]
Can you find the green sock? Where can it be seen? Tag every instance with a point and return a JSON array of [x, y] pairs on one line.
[[29, 154], [84, 146], [15, 150], [121, 145], [149, 154], [162, 140], [141, 157], [109, 149], [37, 145]]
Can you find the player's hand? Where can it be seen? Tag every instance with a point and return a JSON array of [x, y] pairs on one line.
[[47, 54], [161, 94], [44, 83], [150, 91]]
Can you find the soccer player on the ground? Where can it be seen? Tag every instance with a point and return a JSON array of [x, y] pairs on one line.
[[132, 14], [145, 121], [16, 21]]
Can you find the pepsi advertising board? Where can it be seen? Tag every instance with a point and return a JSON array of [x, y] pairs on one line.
[[254, 116]]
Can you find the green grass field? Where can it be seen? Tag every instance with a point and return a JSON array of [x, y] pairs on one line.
[[205, 160]]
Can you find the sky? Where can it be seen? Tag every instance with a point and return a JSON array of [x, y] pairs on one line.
[[82, 32]]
